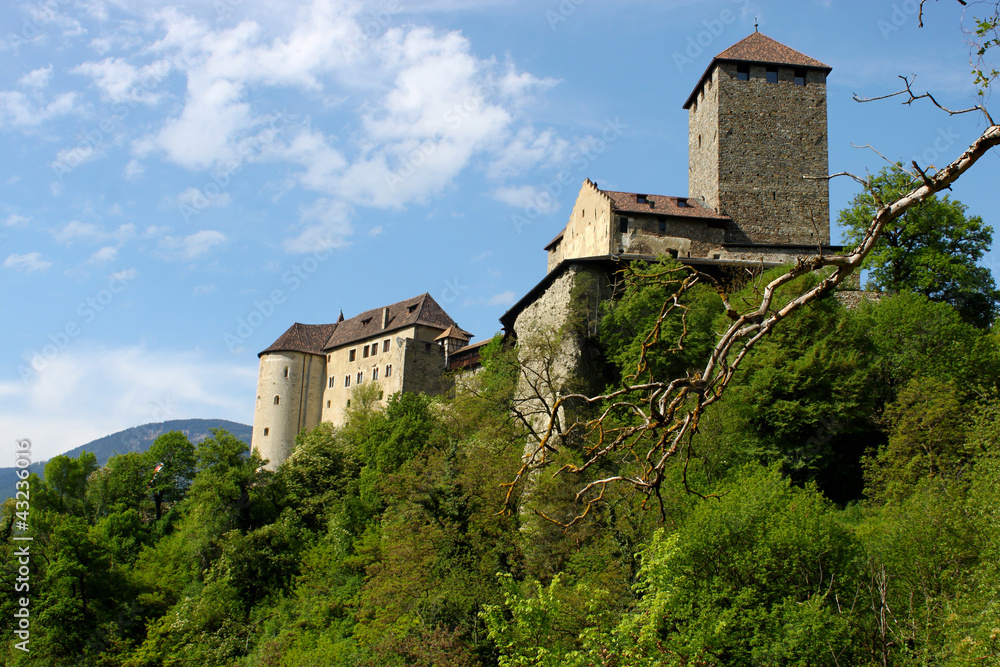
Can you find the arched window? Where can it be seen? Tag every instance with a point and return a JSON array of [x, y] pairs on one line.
[[276, 399]]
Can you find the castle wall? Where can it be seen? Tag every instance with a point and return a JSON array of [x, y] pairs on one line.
[[423, 362], [296, 379], [389, 365], [681, 237], [588, 232], [772, 135], [703, 143]]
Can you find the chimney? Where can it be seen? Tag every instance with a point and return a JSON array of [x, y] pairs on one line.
[[385, 317]]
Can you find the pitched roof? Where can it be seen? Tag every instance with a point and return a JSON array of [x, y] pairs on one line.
[[418, 310], [455, 331], [308, 338], [758, 48], [629, 202]]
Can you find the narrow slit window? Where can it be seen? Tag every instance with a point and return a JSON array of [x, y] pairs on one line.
[[347, 380], [375, 374], [286, 371], [388, 370], [361, 377]]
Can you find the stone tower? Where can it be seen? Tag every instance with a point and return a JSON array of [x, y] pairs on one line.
[[756, 128], [290, 387]]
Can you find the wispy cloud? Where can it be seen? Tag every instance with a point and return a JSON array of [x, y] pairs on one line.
[[28, 263]]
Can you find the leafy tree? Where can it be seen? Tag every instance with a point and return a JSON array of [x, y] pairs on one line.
[[65, 487], [932, 249], [173, 453]]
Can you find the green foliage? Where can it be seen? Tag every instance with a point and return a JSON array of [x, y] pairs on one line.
[[752, 578], [173, 453], [65, 486], [932, 249], [685, 336]]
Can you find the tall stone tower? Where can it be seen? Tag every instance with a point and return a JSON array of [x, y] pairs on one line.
[[756, 128], [290, 388]]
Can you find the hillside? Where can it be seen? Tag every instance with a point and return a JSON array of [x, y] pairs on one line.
[[135, 439]]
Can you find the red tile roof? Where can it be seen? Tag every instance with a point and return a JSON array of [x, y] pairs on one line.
[[308, 338], [628, 202], [758, 48], [418, 310]]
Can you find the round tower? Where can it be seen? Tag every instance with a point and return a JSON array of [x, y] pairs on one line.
[[290, 386]]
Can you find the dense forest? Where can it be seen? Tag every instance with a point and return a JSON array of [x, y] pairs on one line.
[[839, 506]]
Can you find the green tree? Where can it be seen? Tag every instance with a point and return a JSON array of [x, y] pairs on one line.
[[174, 453], [932, 249]]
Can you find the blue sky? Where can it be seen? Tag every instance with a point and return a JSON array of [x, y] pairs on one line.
[[183, 180]]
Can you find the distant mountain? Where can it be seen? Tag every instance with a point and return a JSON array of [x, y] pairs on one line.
[[135, 439]]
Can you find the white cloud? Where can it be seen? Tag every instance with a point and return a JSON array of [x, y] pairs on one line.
[[506, 298], [192, 246], [103, 390], [120, 81], [18, 110], [375, 231], [133, 170], [14, 220], [88, 231], [527, 196], [38, 78], [328, 226], [202, 290], [28, 263], [105, 254], [527, 150]]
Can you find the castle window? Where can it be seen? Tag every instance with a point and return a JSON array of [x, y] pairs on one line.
[[364, 353], [385, 345], [328, 403], [375, 374], [347, 380], [682, 202], [374, 349], [266, 430], [663, 226], [276, 399], [743, 72], [699, 141], [348, 402], [641, 199], [365, 322], [351, 355], [329, 384], [329, 357], [772, 75], [388, 370], [361, 377], [412, 308], [286, 371], [622, 223], [800, 77]]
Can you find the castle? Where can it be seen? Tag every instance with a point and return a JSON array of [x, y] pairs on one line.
[[758, 196]]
